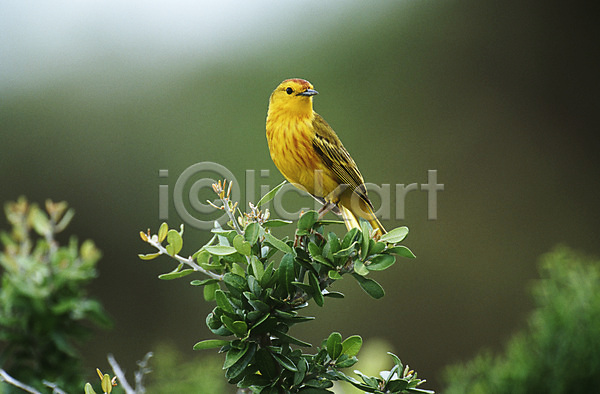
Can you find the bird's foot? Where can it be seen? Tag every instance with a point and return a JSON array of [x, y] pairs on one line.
[[328, 206]]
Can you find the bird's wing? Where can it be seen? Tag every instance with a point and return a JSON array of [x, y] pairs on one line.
[[329, 147]]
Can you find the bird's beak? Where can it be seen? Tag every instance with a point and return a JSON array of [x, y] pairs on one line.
[[308, 93]]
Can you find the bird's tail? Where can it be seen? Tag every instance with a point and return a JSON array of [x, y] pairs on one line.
[[351, 220]]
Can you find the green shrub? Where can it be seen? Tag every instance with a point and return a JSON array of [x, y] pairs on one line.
[[260, 283], [44, 306], [559, 351]]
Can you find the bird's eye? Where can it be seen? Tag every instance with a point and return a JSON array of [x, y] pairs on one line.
[[289, 90]]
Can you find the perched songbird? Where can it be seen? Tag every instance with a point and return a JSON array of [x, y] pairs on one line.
[[311, 156]]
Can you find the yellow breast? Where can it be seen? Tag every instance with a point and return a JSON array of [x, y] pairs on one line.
[[290, 144]]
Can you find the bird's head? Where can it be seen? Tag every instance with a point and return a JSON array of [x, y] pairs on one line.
[[294, 96]]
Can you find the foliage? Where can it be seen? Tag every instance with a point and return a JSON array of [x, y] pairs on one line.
[[258, 301], [44, 308], [559, 351]]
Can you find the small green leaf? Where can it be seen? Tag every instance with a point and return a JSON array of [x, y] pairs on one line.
[[302, 369], [253, 316], [333, 294], [248, 294], [360, 268], [397, 361], [214, 323], [203, 282], [328, 222], [376, 247], [276, 223], [345, 252], [227, 234], [304, 287], [269, 196], [214, 265], [228, 322], [264, 324], [286, 273], [234, 354], [254, 286], [285, 315], [381, 262], [106, 384], [371, 287], [313, 249], [210, 344], [285, 362], [278, 244], [334, 345], [399, 385], [395, 236], [175, 242], [351, 236], [220, 250], [268, 275], [175, 275], [258, 268], [238, 270], [242, 246], [88, 389], [149, 256], [307, 220], [314, 283], [402, 251], [201, 256], [345, 361], [334, 275], [223, 301], [366, 231], [290, 339], [370, 381], [301, 319], [352, 345], [240, 366], [236, 284], [251, 233], [259, 306], [332, 246], [162, 232], [323, 260], [239, 328], [209, 291]]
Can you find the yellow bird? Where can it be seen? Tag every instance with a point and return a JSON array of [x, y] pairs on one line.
[[311, 156]]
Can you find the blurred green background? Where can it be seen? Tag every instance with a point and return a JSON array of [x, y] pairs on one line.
[[500, 98]]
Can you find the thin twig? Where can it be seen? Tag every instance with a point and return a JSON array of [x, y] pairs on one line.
[[187, 261], [230, 213], [4, 376], [120, 374], [141, 372], [54, 387], [227, 205]]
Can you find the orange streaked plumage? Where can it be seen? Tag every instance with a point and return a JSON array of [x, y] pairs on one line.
[[311, 156]]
